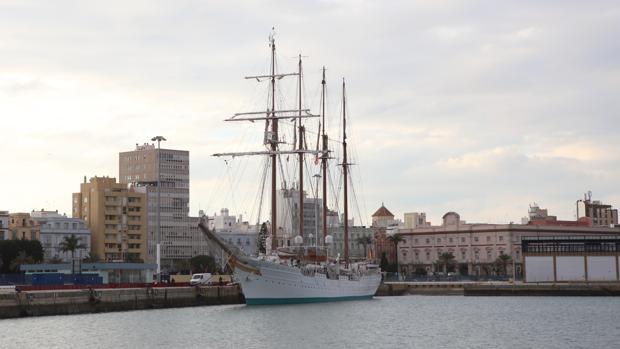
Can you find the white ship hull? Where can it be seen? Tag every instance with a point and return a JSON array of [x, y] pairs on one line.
[[282, 284]]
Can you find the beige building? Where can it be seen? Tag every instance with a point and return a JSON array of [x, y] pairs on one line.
[[22, 226], [415, 220], [116, 217], [476, 246]]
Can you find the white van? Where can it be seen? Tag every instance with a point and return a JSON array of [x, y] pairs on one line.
[[200, 279]]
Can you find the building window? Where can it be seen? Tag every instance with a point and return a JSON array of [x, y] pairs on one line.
[[428, 241], [451, 240], [463, 255], [501, 238], [438, 240], [415, 241], [476, 239], [428, 256], [462, 239], [488, 238]]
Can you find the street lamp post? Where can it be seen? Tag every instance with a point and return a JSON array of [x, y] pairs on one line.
[[158, 225]]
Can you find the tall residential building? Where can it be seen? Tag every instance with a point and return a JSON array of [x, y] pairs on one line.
[[22, 226], [179, 237], [4, 225], [116, 215], [55, 228]]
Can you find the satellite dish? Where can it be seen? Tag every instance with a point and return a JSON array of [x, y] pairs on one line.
[[299, 240], [329, 239]]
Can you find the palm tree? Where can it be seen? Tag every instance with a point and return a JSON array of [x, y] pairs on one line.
[[70, 244], [395, 239], [502, 262], [364, 240], [445, 259]]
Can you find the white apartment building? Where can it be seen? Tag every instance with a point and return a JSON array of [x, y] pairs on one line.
[[55, 228], [237, 232]]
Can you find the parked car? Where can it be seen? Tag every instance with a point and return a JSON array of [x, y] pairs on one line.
[[200, 279]]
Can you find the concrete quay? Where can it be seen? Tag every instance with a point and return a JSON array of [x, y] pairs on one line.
[[64, 302], [557, 289], [421, 288], [497, 289]]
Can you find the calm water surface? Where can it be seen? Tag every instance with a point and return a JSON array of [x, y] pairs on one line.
[[385, 322]]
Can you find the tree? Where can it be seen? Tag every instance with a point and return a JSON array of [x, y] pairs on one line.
[[396, 238], [203, 263], [10, 249], [384, 265], [22, 258], [502, 262], [70, 244], [262, 237], [364, 240], [445, 260]]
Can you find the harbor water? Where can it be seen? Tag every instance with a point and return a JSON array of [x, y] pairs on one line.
[[383, 322]]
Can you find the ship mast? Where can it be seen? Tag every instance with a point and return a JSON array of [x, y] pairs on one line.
[[345, 174], [274, 146], [301, 161], [271, 137], [324, 159]]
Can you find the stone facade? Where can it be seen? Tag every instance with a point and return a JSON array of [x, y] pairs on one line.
[[476, 247], [4, 225], [22, 226]]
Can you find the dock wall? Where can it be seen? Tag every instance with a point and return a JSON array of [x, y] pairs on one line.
[[498, 289], [64, 302]]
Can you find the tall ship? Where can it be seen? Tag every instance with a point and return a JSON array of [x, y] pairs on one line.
[[303, 272]]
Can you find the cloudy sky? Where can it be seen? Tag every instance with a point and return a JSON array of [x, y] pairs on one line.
[[479, 107]]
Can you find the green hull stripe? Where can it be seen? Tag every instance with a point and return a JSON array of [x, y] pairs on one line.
[[264, 301]]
